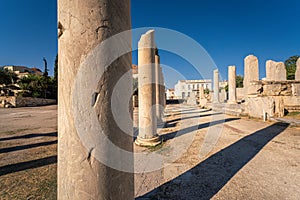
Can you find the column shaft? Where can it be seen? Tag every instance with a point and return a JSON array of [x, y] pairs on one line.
[[147, 88], [232, 84], [83, 25], [216, 86], [158, 94]]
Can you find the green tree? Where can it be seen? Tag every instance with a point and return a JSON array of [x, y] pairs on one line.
[[56, 68], [7, 77], [206, 91], [239, 81], [32, 85], [45, 74], [290, 65], [53, 87], [38, 86], [226, 88]]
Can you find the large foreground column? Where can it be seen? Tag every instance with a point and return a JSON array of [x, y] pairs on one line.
[[251, 72], [147, 99], [232, 84], [88, 168], [216, 86]]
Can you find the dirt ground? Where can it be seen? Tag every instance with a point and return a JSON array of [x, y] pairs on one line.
[[251, 159], [28, 149], [219, 157]]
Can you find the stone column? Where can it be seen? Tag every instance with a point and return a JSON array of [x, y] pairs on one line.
[[147, 135], [232, 84], [251, 72], [216, 86], [275, 71], [83, 151], [297, 74], [201, 92], [269, 70], [280, 72], [158, 93], [163, 90]]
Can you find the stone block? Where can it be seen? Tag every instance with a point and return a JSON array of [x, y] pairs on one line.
[[296, 89], [277, 89], [273, 106]]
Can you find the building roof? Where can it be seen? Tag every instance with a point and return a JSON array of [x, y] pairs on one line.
[[135, 69]]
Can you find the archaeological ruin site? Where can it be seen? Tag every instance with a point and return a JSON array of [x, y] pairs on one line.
[[119, 131]]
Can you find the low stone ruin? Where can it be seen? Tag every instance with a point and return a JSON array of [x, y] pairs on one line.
[[274, 96]]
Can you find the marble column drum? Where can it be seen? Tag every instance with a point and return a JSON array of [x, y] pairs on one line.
[[147, 135], [232, 84], [251, 73], [83, 26], [216, 86], [297, 74], [158, 90]]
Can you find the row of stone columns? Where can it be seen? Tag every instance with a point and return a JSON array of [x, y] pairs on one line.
[[275, 71], [150, 112], [231, 85]]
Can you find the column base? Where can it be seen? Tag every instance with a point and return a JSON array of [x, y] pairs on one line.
[[148, 142]]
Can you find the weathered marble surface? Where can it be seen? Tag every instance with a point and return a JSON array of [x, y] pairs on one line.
[[83, 25], [251, 73], [216, 86], [232, 84], [147, 135]]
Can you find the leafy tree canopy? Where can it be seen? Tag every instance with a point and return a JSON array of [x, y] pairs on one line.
[[239, 81], [290, 65], [7, 77]]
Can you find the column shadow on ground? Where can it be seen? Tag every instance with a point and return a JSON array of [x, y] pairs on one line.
[[211, 175], [27, 146], [191, 117], [188, 130], [7, 169], [190, 112], [28, 136]]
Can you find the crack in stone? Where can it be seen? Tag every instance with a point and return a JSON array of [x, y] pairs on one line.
[[90, 155], [95, 98], [61, 30]]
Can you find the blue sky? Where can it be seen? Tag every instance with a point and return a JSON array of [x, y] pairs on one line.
[[228, 30], [28, 32]]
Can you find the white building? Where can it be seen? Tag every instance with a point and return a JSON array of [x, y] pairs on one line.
[[170, 94], [184, 88], [22, 71]]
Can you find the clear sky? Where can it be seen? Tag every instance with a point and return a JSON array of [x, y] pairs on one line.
[[228, 30], [28, 32]]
